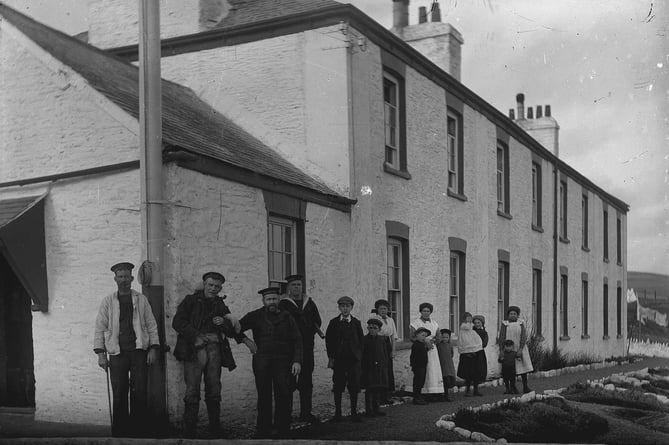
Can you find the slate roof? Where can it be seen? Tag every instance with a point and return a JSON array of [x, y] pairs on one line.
[[188, 122], [10, 209], [243, 12]]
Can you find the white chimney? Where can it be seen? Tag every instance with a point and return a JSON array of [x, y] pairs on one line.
[[544, 129]]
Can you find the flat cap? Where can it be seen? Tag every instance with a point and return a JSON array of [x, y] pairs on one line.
[[214, 275], [419, 330], [375, 322], [345, 300], [122, 266], [272, 290], [296, 277]]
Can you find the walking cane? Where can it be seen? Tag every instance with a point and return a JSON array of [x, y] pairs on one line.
[[111, 418]]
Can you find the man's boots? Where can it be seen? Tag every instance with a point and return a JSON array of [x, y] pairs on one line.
[[376, 405], [190, 420], [305, 407], [355, 417], [369, 411], [337, 402], [214, 413]]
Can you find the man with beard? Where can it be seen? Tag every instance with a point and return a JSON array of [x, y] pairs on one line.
[[278, 356], [306, 315]]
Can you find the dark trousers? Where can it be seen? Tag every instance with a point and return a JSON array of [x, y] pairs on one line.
[[128, 373], [346, 373], [419, 375], [207, 363], [273, 374], [303, 383]]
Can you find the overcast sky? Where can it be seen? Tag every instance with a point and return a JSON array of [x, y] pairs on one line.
[[602, 65]]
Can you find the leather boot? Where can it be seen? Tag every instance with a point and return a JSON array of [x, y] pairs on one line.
[[355, 417], [214, 413], [376, 405], [337, 402], [369, 411], [190, 420], [305, 407]]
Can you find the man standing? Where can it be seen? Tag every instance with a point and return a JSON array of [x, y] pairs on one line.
[[204, 324], [125, 329], [278, 356], [305, 312]]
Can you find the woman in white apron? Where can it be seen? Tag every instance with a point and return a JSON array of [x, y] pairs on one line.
[[514, 329], [434, 382]]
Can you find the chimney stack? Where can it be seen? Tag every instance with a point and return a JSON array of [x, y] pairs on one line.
[[436, 12], [512, 114], [530, 114], [520, 103], [539, 114], [400, 14], [422, 14], [548, 111]]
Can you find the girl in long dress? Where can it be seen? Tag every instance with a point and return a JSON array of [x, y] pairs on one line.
[[469, 344], [479, 327], [514, 329], [434, 383], [389, 331]]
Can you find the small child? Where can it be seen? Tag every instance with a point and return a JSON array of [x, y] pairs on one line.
[[418, 360], [375, 362], [343, 342], [445, 350], [508, 361]]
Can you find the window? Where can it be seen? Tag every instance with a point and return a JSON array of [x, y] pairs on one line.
[[502, 178], [454, 147], [502, 291], [584, 222], [606, 235], [605, 310], [398, 275], [394, 122], [536, 195], [282, 247], [584, 308], [619, 243], [619, 311], [454, 302], [564, 315], [536, 301], [563, 211]]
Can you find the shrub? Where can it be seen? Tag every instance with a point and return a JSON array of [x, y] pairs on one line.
[[628, 399]]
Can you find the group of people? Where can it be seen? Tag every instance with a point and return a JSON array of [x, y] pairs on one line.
[[126, 342]]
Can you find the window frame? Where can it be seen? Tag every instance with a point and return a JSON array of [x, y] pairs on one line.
[[564, 306], [537, 278], [536, 196], [584, 308], [584, 222], [275, 220], [605, 310], [619, 311], [605, 227], [502, 177], [397, 234], [398, 166], [502, 291], [563, 221], [619, 241]]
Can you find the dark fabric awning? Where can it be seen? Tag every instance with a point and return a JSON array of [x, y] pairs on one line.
[[22, 244]]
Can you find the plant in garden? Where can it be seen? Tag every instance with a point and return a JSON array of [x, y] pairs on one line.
[[629, 399]]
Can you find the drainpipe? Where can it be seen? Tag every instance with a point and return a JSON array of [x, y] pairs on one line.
[[555, 256], [151, 169]]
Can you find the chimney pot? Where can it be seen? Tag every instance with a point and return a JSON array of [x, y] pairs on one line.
[[530, 115], [436, 12], [548, 111], [422, 14], [539, 113], [512, 114], [520, 102], [400, 14]]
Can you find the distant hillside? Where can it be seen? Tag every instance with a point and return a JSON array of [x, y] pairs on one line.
[[646, 284]]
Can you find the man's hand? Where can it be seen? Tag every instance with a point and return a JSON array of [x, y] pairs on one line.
[[217, 320], [102, 360], [331, 363], [519, 355], [234, 321], [251, 345], [296, 369], [152, 356]]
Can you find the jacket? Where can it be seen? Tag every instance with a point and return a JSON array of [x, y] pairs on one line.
[[334, 340], [277, 336], [308, 319], [188, 321], [107, 324]]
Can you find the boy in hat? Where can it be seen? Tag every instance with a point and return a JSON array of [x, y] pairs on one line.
[[126, 330], [418, 361], [343, 341], [375, 362], [308, 319]]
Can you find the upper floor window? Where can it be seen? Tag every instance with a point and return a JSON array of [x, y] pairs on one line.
[[584, 221], [619, 241], [563, 211], [606, 235], [454, 147], [394, 123], [536, 195], [282, 248], [502, 178]]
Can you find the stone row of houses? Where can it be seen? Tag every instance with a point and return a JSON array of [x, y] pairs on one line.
[[299, 136]]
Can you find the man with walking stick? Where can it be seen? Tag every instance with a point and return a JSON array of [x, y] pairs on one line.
[[126, 330]]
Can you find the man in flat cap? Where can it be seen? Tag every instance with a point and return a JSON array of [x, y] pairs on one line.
[[126, 329], [278, 357], [308, 319], [204, 324]]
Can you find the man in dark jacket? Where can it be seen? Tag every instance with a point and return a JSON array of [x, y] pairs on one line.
[[308, 319], [278, 356], [204, 324]]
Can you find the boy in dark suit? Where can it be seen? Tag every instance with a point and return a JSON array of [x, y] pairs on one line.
[[343, 341], [418, 360]]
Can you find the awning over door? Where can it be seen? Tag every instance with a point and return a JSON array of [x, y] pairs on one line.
[[22, 245]]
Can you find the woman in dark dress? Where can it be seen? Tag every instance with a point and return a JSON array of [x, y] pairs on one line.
[[481, 359]]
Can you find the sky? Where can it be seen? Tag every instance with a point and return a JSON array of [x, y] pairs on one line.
[[602, 65]]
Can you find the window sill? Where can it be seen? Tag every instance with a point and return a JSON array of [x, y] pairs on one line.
[[537, 228], [564, 240], [585, 337], [456, 195], [504, 214], [606, 260], [402, 344], [618, 263], [585, 249], [606, 337], [393, 171], [619, 336], [564, 338]]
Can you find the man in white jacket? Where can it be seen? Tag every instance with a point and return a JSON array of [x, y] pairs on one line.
[[126, 330]]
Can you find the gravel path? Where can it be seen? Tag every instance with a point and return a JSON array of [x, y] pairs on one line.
[[408, 422]]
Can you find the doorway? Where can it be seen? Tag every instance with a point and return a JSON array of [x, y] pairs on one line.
[[17, 372]]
